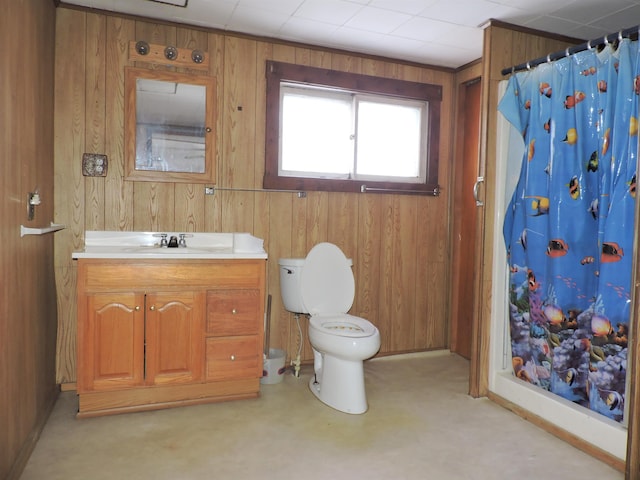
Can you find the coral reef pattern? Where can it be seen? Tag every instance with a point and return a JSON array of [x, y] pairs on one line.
[[569, 226]]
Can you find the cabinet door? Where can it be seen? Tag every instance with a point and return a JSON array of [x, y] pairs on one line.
[[174, 337], [111, 341]]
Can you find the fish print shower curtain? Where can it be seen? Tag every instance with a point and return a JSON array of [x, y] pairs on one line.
[[569, 227]]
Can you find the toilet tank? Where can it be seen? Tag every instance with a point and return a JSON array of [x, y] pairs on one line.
[[290, 275]]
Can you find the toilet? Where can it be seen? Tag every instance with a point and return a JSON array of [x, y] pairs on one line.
[[322, 285]]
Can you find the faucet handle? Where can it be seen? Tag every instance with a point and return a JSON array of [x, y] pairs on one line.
[[163, 239], [182, 242]]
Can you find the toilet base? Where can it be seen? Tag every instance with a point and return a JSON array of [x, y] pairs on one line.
[[340, 385]]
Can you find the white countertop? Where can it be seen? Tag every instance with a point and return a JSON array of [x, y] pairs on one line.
[[146, 245]]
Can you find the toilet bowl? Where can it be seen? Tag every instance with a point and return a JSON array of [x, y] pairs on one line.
[[322, 285]]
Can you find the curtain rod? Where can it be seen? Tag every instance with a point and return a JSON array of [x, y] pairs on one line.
[[611, 38]]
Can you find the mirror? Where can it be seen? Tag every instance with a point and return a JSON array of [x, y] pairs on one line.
[[169, 120]]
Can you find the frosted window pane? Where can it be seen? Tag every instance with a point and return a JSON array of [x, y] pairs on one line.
[[316, 135], [388, 140]]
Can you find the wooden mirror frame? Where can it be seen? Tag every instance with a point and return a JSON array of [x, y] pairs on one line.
[[131, 173]]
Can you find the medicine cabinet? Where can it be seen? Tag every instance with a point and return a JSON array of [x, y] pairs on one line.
[[169, 126]]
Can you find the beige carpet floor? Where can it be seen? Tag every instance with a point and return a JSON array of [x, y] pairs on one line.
[[421, 424]]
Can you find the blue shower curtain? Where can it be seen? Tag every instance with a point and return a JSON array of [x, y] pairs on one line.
[[569, 227]]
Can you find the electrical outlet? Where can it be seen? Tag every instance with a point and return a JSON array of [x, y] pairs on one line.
[[94, 165], [209, 190]]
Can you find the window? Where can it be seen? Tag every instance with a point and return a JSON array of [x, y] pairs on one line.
[[336, 131]]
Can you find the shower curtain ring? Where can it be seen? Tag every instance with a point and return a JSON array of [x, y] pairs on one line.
[[528, 66], [589, 47], [566, 52], [606, 40], [620, 36], [548, 58]]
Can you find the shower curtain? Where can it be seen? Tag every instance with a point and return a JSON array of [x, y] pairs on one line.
[[569, 227]]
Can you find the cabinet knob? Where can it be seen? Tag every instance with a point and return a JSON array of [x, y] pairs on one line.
[[137, 308], [234, 311], [152, 308], [233, 357]]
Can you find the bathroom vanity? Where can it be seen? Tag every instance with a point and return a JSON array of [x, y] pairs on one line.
[[161, 327]]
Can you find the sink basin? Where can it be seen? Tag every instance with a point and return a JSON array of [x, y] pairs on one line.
[[155, 249], [107, 244]]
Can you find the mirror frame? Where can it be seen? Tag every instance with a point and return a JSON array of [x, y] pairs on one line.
[[134, 73]]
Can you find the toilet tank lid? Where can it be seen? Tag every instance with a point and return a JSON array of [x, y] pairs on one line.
[[291, 262], [299, 262]]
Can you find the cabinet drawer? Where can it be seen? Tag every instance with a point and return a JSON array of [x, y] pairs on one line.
[[233, 312], [233, 357]]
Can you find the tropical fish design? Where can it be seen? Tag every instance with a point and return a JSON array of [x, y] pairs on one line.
[[554, 314], [545, 89], [592, 164], [569, 288], [572, 100], [531, 279], [611, 252], [587, 260], [574, 187], [532, 149], [602, 86], [557, 248], [572, 136], [593, 208], [605, 141], [540, 205], [601, 326]]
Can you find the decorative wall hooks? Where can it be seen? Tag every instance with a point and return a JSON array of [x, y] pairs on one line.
[[142, 51]]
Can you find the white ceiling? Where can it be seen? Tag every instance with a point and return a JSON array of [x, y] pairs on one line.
[[436, 32]]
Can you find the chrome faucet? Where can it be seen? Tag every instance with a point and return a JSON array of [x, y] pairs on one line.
[[173, 242]]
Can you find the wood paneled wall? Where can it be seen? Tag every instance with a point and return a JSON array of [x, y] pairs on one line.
[[399, 243], [28, 301]]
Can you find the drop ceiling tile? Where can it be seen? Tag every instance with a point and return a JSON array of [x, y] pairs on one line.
[[303, 30], [580, 12], [335, 12], [287, 7], [552, 24], [627, 18], [411, 7], [470, 13], [424, 29], [244, 19], [377, 20], [587, 32]]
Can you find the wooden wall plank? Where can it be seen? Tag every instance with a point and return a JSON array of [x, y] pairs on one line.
[[383, 234], [69, 125], [118, 193], [95, 98]]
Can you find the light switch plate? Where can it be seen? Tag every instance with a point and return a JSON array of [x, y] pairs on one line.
[[94, 165]]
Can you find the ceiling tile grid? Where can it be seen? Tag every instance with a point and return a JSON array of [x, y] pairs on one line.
[[445, 33]]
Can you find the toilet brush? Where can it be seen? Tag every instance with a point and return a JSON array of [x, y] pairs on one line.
[[267, 327]]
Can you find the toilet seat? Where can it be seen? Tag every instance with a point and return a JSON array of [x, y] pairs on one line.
[[343, 325], [327, 283]]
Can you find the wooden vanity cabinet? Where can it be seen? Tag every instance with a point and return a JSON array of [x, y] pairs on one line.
[[161, 333]]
